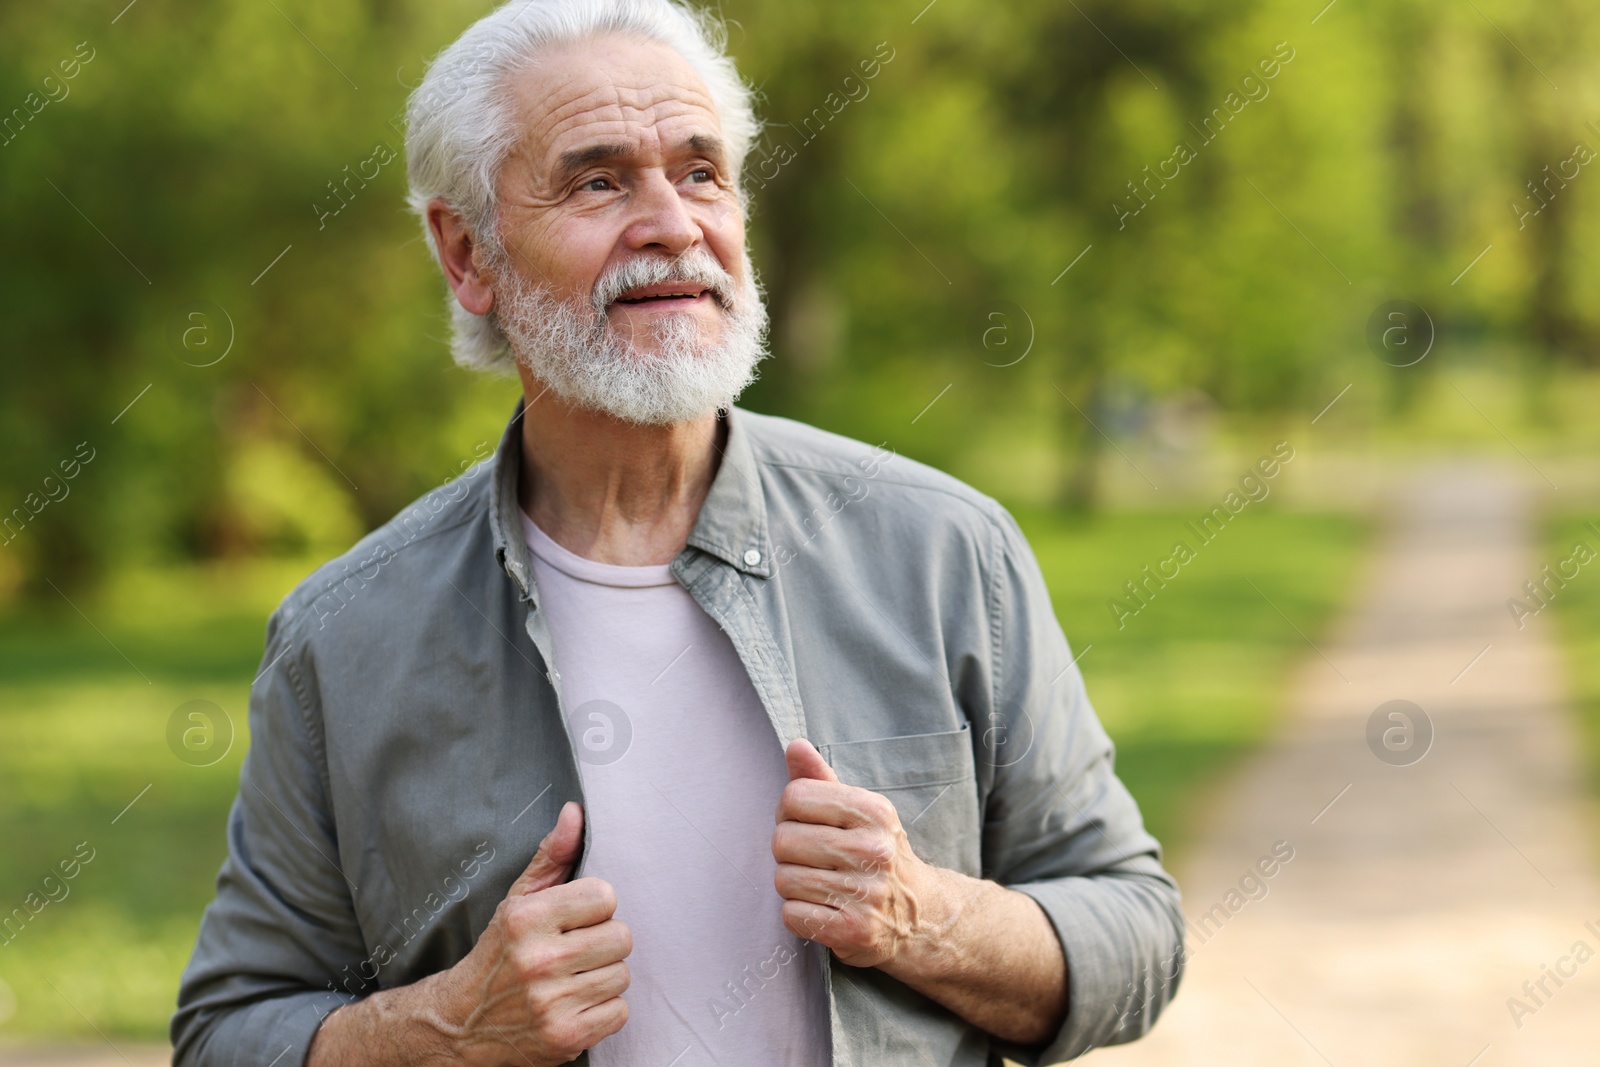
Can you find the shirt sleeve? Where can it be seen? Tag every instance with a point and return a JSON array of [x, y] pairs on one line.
[[1062, 828], [267, 964]]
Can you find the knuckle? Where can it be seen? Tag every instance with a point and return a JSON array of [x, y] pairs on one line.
[[880, 850], [540, 1006], [862, 849], [790, 797], [599, 891], [516, 923], [537, 961], [814, 924], [525, 915], [567, 1035]]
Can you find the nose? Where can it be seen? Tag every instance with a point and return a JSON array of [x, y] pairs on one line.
[[662, 220]]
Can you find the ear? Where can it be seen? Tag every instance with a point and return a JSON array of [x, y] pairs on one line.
[[456, 246]]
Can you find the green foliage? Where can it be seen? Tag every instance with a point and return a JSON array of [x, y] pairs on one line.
[[981, 157]]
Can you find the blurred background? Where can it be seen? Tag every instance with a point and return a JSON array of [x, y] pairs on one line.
[[1096, 258]]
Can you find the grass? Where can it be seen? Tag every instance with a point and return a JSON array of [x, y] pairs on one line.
[[1576, 609], [1185, 688], [84, 710], [1195, 680]]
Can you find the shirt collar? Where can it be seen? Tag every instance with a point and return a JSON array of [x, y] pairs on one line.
[[732, 524]]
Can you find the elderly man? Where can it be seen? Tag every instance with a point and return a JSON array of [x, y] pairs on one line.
[[673, 734]]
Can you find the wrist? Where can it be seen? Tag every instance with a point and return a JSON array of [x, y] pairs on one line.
[[928, 952], [417, 1024], [448, 1011]]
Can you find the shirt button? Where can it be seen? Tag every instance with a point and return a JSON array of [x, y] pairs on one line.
[[751, 557]]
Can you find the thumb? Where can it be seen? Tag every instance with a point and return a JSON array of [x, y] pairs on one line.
[[557, 852], [806, 762]]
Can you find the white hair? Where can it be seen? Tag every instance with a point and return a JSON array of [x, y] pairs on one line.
[[461, 120]]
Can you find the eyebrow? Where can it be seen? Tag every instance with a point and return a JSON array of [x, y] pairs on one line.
[[575, 160]]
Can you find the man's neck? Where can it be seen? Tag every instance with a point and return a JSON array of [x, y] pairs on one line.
[[613, 491]]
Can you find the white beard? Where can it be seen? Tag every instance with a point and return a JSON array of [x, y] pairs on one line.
[[571, 346]]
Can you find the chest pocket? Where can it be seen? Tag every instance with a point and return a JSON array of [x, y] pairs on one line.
[[930, 779]]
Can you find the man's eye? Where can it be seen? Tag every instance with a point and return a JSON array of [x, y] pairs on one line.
[[597, 185], [703, 175]]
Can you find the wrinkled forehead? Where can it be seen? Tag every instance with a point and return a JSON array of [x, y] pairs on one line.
[[609, 91]]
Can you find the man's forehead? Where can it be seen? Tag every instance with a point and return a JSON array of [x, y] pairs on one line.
[[611, 91]]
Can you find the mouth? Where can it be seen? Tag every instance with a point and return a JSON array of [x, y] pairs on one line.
[[666, 295]]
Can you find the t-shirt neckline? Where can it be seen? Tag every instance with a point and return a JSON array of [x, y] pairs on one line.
[[543, 546]]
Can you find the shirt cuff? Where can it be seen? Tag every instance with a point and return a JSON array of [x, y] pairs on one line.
[[1122, 936], [267, 1033]]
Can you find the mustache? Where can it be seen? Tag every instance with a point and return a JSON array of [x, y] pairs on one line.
[[694, 267]]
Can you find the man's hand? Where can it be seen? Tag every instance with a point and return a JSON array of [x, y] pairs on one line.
[[846, 872], [543, 983], [850, 880]]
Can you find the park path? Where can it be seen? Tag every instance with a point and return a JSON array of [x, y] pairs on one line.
[[1419, 898]]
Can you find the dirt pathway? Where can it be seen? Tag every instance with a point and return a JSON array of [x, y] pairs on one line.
[[1421, 895]]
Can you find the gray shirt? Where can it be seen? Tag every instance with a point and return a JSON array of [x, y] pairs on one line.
[[409, 746]]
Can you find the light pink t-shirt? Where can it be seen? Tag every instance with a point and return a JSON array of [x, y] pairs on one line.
[[681, 775]]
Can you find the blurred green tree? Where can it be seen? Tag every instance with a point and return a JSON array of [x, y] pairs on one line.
[[209, 174]]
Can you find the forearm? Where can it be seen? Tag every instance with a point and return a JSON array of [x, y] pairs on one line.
[[406, 1025], [987, 953]]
